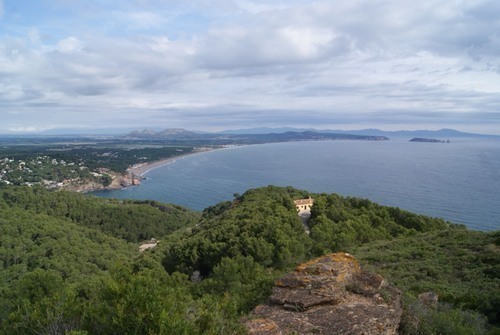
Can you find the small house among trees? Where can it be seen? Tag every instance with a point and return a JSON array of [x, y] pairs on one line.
[[304, 204]]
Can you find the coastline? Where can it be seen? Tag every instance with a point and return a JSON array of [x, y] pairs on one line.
[[141, 169], [135, 173]]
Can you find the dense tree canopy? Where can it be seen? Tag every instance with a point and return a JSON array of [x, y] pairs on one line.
[[262, 224], [68, 263], [131, 220], [42, 257], [338, 223]]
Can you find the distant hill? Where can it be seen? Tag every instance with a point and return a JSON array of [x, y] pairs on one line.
[[142, 133], [442, 133], [169, 132], [183, 135], [176, 132], [266, 130]]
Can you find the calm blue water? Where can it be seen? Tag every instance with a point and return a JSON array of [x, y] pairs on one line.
[[459, 182]]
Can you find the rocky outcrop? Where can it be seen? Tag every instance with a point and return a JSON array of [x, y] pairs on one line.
[[125, 180], [329, 295], [118, 181]]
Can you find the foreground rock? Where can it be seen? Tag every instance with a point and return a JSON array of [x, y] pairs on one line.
[[329, 295]]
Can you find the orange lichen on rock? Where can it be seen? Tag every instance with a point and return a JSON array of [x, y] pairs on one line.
[[262, 327], [324, 263]]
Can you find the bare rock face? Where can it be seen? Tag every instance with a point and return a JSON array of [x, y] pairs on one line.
[[329, 295]]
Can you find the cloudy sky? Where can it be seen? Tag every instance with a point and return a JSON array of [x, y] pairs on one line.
[[226, 64]]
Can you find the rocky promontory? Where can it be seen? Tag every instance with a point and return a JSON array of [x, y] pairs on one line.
[[329, 295], [428, 140]]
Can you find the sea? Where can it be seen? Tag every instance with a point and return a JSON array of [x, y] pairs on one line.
[[457, 181]]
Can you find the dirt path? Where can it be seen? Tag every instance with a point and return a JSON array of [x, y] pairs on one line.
[[304, 217]]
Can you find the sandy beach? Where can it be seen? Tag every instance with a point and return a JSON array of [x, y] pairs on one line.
[[141, 168]]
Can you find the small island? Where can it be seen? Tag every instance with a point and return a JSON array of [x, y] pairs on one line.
[[428, 140]]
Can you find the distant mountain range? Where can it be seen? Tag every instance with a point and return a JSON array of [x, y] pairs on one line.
[[183, 133], [170, 132]]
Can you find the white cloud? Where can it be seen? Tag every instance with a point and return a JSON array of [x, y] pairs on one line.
[[255, 61], [258, 7], [70, 45], [142, 19], [11, 92], [307, 42], [33, 35]]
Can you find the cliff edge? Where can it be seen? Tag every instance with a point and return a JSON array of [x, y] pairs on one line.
[[329, 295]]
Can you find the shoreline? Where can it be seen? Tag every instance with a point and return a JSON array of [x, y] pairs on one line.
[[141, 169]]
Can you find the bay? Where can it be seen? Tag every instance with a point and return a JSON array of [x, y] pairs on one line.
[[457, 181]]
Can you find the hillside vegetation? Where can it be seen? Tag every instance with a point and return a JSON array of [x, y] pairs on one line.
[[132, 220], [70, 263], [462, 266]]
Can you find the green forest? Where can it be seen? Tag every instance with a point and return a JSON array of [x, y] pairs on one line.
[[70, 263]]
